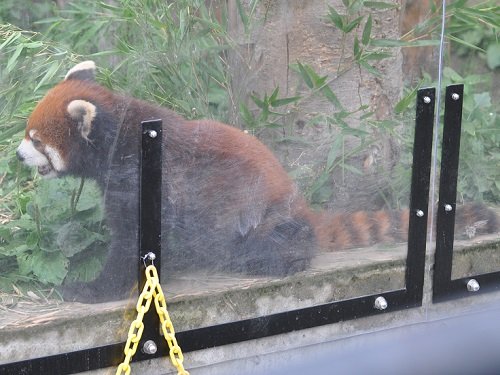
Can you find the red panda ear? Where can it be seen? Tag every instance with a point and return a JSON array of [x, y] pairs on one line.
[[84, 113], [83, 71]]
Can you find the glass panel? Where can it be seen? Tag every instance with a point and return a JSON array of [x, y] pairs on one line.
[[334, 103], [300, 201], [474, 60]]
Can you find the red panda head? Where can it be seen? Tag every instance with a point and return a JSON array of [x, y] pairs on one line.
[[60, 121]]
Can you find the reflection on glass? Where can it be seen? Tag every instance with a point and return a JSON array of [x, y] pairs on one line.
[[300, 201], [472, 59]]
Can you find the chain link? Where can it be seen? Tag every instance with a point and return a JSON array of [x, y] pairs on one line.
[[152, 290]]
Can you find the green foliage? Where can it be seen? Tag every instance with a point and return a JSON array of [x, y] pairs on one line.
[[174, 48], [30, 65], [479, 169], [473, 28], [52, 229], [174, 53], [268, 117], [364, 48]]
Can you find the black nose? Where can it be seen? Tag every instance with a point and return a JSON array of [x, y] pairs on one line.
[[19, 156]]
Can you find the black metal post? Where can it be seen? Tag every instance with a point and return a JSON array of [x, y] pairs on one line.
[[150, 226], [445, 226], [419, 199], [444, 288]]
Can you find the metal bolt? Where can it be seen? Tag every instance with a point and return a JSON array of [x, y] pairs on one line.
[[380, 303], [149, 347], [427, 100], [152, 133], [455, 96], [420, 213], [150, 256], [448, 207], [473, 285]]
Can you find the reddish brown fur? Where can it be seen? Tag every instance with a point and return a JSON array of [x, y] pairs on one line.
[[333, 231], [50, 118], [230, 205], [382, 223], [229, 142], [358, 229]]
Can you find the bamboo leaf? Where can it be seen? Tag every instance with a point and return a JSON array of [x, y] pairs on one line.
[[365, 39], [54, 67], [348, 28], [465, 43], [13, 59], [305, 76], [334, 152], [329, 94], [405, 102], [403, 43], [336, 18], [11, 39], [357, 49], [376, 55], [380, 5], [352, 169], [274, 95], [285, 101], [243, 14], [371, 69]]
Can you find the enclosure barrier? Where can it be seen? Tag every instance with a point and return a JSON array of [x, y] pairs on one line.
[[144, 333]]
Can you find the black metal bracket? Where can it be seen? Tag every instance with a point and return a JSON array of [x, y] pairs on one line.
[[444, 288], [419, 199], [249, 329], [150, 250]]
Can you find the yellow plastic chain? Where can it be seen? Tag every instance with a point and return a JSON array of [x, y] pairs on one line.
[[151, 289]]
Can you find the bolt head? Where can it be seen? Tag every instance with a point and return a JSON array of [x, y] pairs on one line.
[[152, 134], [149, 347], [419, 213], [473, 285], [150, 256], [455, 96], [448, 207], [427, 100], [380, 303]]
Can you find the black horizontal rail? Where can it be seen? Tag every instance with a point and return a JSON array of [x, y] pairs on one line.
[[216, 335]]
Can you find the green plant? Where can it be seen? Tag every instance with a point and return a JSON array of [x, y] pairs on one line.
[[176, 49], [53, 227], [364, 49], [479, 169], [474, 30]]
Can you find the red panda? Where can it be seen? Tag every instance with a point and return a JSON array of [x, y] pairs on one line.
[[228, 204]]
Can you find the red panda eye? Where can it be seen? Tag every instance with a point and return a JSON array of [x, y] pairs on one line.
[[36, 143]]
